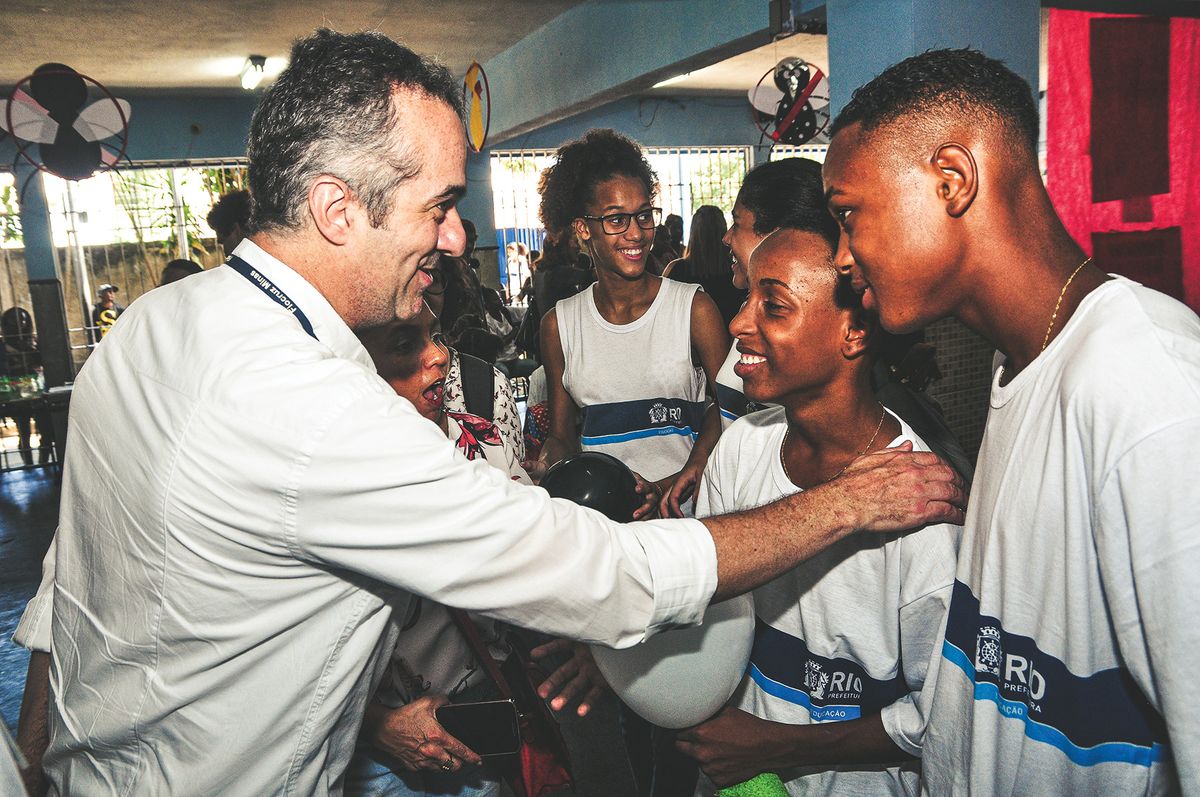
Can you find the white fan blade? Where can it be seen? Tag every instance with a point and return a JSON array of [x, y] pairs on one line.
[[102, 119], [30, 122]]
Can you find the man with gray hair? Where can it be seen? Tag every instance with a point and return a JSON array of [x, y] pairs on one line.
[[223, 589]]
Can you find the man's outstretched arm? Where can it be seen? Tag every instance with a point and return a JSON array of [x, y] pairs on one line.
[[891, 490]]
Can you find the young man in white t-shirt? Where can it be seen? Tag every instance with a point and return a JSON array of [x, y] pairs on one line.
[[1068, 666], [834, 700]]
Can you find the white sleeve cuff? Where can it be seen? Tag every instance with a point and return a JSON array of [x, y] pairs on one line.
[[902, 721], [33, 632], [683, 566]]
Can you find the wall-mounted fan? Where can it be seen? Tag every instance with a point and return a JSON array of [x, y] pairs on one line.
[[794, 107], [79, 127]]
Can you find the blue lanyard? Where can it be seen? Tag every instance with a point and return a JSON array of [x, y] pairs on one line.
[[260, 281]]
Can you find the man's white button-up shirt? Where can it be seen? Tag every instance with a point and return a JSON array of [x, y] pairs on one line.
[[244, 504]]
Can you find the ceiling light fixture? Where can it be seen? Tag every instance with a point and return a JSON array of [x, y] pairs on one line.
[[252, 72]]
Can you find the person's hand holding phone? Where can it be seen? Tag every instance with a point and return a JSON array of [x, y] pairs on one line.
[[412, 735]]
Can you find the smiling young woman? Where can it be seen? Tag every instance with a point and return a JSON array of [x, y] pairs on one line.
[[636, 353], [834, 697]]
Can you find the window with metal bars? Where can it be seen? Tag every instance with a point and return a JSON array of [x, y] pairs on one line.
[[119, 228], [14, 287], [815, 152], [688, 177]]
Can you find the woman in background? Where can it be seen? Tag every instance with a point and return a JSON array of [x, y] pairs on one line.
[[707, 262]]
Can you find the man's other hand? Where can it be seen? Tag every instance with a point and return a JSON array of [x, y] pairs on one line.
[[897, 489], [412, 734]]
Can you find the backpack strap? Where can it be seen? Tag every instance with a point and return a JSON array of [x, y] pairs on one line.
[[478, 384]]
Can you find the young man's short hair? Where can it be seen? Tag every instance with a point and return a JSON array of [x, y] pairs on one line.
[[963, 82]]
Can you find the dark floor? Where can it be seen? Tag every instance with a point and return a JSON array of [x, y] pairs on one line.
[[28, 517]]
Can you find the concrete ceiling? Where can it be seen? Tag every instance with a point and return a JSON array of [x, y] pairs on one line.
[[183, 44], [739, 74], [172, 44]]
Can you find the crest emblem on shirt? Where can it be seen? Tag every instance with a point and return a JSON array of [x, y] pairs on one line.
[[988, 654], [658, 413], [816, 680]]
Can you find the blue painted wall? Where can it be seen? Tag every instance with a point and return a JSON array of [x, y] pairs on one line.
[[867, 36], [161, 126], [657, 121]]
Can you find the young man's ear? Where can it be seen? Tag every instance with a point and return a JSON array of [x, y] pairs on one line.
[[332, 208], [857, 334], [957, 176]]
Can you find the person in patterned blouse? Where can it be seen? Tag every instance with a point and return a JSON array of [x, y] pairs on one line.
[[402, 747]]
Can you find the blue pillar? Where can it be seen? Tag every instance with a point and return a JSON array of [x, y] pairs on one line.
[[45, 285], [41, 259], [867, 36]]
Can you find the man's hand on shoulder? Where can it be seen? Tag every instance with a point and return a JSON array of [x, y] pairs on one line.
[[897, 489]]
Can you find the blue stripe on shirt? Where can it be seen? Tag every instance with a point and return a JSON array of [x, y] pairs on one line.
[[829, 688], [733, 402], [619, 421], [1107, 752], [1096, 718], [600, 440], [830, 713]]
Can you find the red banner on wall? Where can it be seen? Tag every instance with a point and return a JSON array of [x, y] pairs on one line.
[[1110, 129]]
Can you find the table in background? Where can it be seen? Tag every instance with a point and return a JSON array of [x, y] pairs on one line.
[[49, 411]]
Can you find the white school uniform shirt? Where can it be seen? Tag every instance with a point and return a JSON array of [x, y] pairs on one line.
[[223, 582], [642, 396], [730, 398], [854, 631], [1071, 648]]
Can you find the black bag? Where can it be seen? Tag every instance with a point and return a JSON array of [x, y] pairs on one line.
[[529, 337], [542, 765], [478, 385]]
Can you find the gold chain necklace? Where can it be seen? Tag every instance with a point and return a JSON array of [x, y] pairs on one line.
[[1058, 304], [866, 448]]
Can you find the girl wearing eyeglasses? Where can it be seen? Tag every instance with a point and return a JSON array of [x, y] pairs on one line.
[[636, 353]]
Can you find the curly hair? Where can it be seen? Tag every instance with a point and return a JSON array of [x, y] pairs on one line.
[[581, 165], [331, 112], [964, 82]]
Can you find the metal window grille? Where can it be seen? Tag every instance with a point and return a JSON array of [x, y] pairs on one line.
[[688, 177], [122, 227], [814, 152], [515, 199], [14, 285]]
